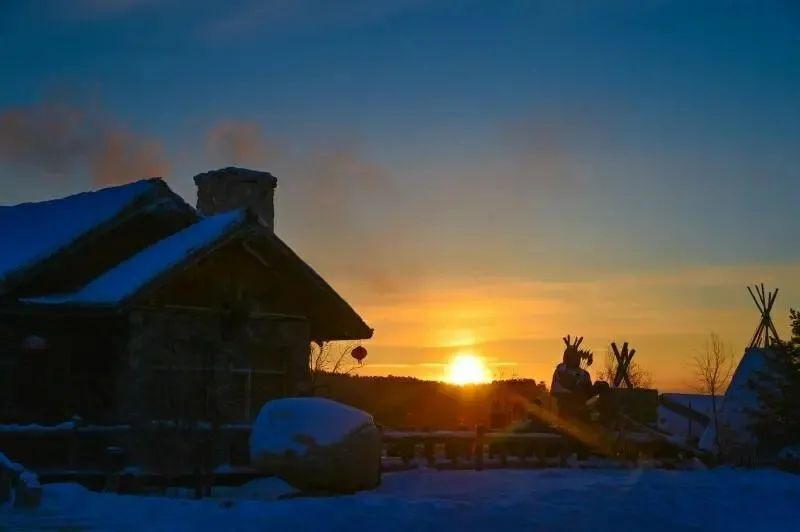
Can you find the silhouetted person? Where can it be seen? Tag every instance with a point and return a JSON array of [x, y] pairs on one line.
[[572, 387]]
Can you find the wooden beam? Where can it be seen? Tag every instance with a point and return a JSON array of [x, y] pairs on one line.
[[754, 299]]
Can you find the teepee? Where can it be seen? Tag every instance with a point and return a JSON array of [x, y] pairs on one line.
[[741, 402], [765, 335]]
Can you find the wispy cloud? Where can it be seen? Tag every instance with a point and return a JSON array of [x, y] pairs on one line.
[[106, 9], [244, 17], [59, 138], [240, 142]]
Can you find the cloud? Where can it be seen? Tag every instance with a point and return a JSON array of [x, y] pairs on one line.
[[338, 178], [112, 8], [235, 142], [345, 195], [332, 192], [49, 135], [60, 139], [124, 157], [543, 145], [245, 16]]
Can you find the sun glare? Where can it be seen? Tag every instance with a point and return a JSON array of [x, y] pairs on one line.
[[467, 369]]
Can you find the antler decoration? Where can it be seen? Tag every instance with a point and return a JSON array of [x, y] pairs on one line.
[[568, 341], [585, 354]]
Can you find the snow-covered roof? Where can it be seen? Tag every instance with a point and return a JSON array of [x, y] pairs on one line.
[[33, 232], [129, 277], [35, 237]]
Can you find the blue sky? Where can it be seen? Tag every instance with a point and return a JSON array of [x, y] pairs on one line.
[[527, 140]]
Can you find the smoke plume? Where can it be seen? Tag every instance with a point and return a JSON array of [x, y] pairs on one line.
[[61, 139], [240, 143]]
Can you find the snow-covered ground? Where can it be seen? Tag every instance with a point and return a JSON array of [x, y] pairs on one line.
[[549, 499]]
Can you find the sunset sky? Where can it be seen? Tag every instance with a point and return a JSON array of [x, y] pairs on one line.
[[473, 176]]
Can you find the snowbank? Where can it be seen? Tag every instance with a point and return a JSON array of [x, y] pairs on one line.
[[295, 424], [547, 499]]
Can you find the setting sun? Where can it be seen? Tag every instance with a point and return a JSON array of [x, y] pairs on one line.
[[467, 369]]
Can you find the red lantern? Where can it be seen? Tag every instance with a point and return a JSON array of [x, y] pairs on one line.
[[359, 353]]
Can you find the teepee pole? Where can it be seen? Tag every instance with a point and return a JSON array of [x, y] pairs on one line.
[[766, 333]]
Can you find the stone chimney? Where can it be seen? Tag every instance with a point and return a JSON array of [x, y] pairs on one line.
[[232, 188]]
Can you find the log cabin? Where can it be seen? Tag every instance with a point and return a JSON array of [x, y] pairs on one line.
[[127, 305]]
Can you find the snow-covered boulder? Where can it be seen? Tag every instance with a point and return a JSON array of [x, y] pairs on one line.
[[316, 444]]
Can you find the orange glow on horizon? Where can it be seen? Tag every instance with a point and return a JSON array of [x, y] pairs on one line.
[[515, 325]]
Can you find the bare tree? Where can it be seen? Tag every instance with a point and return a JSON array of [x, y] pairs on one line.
[[502, 373], [713, 369], [331, 358], [639, 377]]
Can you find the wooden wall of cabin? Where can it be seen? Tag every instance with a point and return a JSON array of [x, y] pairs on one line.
[[208, 364], [232, 278], [56, 366]]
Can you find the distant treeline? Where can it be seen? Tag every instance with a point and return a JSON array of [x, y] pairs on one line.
[[409, 403]]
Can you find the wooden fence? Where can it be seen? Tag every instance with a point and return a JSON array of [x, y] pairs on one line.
[[481, 449], [104, 457]]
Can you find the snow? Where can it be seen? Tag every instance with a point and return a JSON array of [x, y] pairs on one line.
[[790, 453], [294, 424], [34, 427], [31, 232], [547, 499], [127, 278], [678, 425], [269, 488], [262, 489], [8, 465]]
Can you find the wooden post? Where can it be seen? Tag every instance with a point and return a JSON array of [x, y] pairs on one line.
[[539, 453], [478, 451], [430, 454], [74, 443], [28, 493], [5, 485], [407, 452]]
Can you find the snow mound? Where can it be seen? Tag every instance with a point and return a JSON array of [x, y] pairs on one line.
[[295, 424]]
